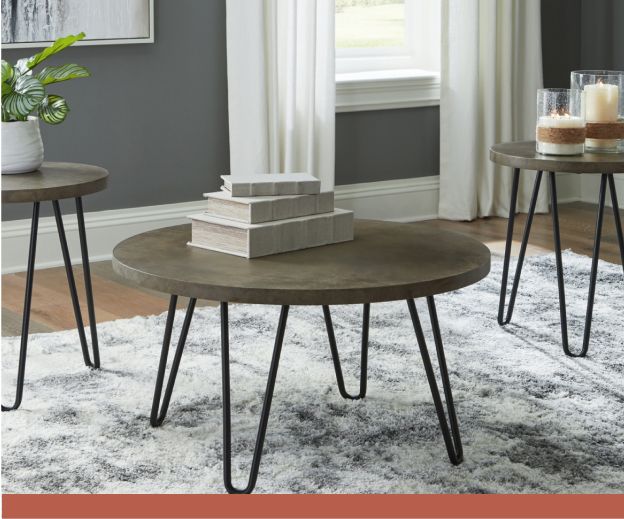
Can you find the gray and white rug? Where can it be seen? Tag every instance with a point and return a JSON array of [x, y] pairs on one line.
[[531, 419]]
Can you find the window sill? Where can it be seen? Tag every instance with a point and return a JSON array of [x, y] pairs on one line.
[[386, 90]]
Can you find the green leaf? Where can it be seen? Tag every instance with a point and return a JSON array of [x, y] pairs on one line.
[[62, 73], [8, 75], [53, 109], [7, 72], [27, 93], [25, 64]]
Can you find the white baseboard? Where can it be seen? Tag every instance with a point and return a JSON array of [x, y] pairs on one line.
[[406, 200], [104, 230], [398, 200], [584, 188]]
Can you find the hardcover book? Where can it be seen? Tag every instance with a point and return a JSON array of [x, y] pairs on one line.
[[262, 239], [272, 184], [258, 209]]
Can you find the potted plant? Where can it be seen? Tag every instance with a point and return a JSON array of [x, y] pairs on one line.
[[25, 101]]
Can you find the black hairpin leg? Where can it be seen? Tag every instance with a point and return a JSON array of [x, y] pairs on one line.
[[156, 417], [72, 284], [616, 215], [336, 356], [30, 272], [452, 438], [266, 406], [594, 267], [86, 269], [502, 319]]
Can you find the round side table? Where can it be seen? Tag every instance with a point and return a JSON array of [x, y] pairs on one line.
[[385, 262], [522, 156], [55, 181]]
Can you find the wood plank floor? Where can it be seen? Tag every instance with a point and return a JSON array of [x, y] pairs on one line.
[[116, 298]]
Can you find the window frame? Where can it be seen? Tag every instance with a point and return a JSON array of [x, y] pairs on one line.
[[394, 77]]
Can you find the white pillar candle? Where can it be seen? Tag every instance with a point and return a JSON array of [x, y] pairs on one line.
[[601, 106], [560, 121]]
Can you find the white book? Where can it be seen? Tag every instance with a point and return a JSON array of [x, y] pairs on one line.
[[272, 184], [262, 239], [258, 209]]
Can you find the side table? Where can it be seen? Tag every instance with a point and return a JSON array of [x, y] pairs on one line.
[[522, 155], [385, 262], [55, 181]]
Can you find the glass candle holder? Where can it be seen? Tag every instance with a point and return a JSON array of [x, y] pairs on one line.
[[560, 126], [602, 105]]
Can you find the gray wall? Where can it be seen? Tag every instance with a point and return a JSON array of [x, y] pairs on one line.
[[154, 115], [387, 144], [581, 34]]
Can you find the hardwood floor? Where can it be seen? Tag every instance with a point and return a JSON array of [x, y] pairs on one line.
[[116, 299]]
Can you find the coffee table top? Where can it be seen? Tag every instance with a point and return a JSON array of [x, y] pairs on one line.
[[386, 262], [54, 181], [523, 155]]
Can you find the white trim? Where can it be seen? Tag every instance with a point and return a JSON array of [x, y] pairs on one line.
[[388, 89], [104, 230], [404, 200], [398, 200], [590, 186], [572, 187]]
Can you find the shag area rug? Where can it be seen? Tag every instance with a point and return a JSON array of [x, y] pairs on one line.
[[531, 419]]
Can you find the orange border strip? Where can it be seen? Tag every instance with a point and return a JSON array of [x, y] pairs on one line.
[[313, 506]]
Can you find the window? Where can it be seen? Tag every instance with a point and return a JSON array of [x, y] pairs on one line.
[[387, 53]]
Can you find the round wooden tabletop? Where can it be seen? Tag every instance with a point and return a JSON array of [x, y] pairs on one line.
[[54, 181], [385, 262], [523, 155]]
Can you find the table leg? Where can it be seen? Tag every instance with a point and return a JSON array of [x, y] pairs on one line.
[[502, 319], [336, 357], [157, 417], [452, 438], [30, 272], [72, 287], [594, 267], [616, 215], [266, 406], [86, 268]]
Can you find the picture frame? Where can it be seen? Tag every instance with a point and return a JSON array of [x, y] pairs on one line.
[[101, 21]]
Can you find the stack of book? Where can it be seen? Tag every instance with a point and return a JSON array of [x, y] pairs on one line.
[[267, 214]]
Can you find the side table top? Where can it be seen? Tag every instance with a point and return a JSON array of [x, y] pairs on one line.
[[54, 181], [523, 155], [385, 262]]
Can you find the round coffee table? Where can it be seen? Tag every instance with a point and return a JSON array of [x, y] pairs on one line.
[[522, 156], [385, 262], [55, 181]]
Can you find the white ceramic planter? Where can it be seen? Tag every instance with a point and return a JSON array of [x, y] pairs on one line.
[[22, 147]]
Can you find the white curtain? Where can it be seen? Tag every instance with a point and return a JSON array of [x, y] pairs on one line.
[[281, 87], [491, 69]]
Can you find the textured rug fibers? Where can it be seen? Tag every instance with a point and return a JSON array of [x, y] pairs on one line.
[[531, 419]]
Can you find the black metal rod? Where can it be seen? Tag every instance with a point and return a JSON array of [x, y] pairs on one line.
[[266, 406], [156, 417], [554, 209], [30, 273], [617, 217], [71, 282], [594, 268], [452, 438], [510, 228], [87, 280], [336, 357], [523, 248]]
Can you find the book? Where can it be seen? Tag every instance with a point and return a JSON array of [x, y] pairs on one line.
[[258, 209], [262, 239], [272, 184]]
